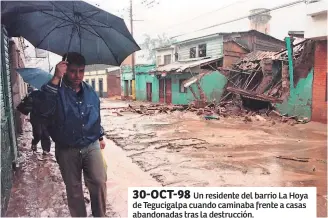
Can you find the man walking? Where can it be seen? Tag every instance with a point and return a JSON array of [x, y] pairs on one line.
[[29, 105], [73, 110], [39, 129]]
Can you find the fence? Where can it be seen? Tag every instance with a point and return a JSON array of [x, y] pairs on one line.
[[8, 135]]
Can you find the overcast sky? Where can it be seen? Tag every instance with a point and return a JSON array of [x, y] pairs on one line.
[[176, 17]]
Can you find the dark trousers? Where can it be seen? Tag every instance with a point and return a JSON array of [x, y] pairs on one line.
[[40, 132], [72, 162]]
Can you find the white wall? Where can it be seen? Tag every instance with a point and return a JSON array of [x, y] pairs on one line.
[[96, 76], [316, 20], [214, 48], [162, 53]]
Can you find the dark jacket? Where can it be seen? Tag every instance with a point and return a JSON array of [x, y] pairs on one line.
[[30, 104], [74, 118]]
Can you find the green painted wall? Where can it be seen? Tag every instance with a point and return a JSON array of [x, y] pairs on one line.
[[212, 84], [128, 75], [141, 93], [299, 102], [177, 96]]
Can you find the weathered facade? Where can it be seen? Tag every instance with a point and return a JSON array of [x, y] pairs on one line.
[[228, 45], [114, 83], [164, 56], [195, 55], [19, 87], [181, 82], [12, 90], [255, 41], [97, 77], [316, 30], [207, 46], [232, 52], [319, 91], [129, 88]]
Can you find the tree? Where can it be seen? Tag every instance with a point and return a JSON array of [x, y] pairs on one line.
[[150, 44]]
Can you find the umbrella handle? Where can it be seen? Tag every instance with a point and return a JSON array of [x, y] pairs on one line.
[[61, 79]]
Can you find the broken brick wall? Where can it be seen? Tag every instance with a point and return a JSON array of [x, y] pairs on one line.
[[319, 102]]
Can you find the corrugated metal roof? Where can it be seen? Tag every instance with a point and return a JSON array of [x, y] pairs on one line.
[[259, 55], [180, 66]]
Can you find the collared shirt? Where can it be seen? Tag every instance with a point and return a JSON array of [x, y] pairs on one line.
[[74, 117]]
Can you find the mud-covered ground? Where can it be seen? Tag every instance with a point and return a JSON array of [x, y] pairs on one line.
[[179, 149], [183, 149]]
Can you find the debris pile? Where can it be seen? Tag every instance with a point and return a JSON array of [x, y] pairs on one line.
[[213, 111], [262, 79], [264, 75]]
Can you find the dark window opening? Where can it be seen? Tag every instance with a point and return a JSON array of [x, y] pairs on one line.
[[255, 105], [126, 87], [202, 50], [167, 59], [182, 88], [93, 84], [176, 56], [100, 81], [130, 88], [192, 53]]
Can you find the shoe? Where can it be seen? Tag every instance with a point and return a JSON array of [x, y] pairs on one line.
[[34, 148], [45, 153]]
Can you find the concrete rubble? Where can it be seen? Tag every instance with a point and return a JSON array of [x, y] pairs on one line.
[[214, 111]]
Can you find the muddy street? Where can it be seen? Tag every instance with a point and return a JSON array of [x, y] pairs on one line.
[[38, 189], [178, 149], [183, 149]]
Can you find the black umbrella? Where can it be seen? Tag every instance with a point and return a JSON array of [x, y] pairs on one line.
[[70, 26]]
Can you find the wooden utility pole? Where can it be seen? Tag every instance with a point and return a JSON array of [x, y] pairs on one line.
[[131, 24]]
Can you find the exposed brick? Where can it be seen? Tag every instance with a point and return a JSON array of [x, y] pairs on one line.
[[319, 90], [114, 84]]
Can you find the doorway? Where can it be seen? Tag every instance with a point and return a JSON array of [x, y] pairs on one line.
[[126, 88], [101, 88], [149, 91], [165, 91]]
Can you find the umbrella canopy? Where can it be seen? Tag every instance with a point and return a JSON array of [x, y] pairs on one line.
[[70, 26], [34, 76]]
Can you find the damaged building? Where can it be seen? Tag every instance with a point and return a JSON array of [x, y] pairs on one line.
[[271, 80], [187, 71]]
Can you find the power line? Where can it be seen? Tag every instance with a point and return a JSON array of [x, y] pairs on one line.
[[241, 18], [207, 13]]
